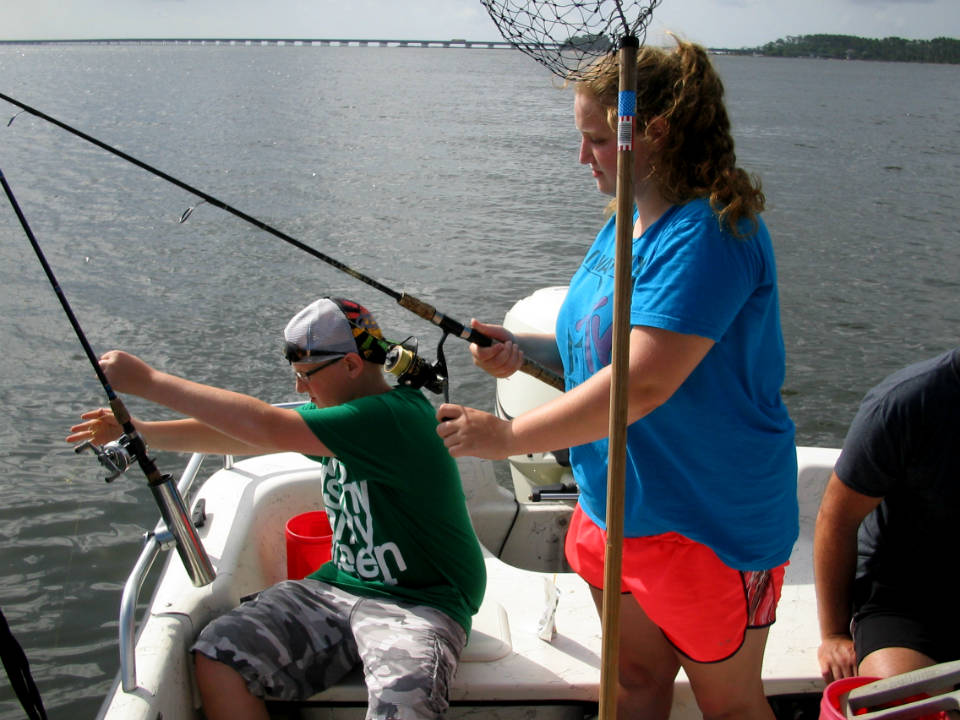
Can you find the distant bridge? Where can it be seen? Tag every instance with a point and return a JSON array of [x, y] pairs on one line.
[[333, 42]]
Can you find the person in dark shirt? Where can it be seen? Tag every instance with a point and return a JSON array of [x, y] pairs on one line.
[[884, 542]]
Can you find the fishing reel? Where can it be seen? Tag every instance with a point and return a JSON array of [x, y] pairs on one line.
[[116, 456], [413, 371]]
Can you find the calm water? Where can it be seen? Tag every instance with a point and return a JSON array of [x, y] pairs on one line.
[[448, 174]]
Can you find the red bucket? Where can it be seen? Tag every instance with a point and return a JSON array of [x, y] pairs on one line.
[[308, 543], [833, 696]]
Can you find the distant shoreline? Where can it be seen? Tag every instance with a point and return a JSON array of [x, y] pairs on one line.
[[942, 50]]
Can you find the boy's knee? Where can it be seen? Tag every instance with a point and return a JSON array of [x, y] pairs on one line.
[[211, 672], [224, 692]]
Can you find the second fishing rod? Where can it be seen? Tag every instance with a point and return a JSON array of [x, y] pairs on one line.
[[413, 304]]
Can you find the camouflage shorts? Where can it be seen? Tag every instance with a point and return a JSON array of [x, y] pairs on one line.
[[299, 637]]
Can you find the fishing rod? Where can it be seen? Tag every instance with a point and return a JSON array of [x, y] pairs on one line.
[[165, 492], [415, 305]]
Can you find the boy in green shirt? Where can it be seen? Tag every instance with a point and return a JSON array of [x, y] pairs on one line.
[[407, 571]]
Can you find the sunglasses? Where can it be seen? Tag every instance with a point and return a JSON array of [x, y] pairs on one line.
[[305, 376], [294, 353]]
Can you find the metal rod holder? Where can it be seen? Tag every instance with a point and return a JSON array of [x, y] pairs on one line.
[[197, 563], [177, 520]]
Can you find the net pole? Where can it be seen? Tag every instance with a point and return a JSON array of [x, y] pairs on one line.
[[620, 362]]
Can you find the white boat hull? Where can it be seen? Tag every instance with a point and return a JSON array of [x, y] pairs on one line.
[[506, 662]]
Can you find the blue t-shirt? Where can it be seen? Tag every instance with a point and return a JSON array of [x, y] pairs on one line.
[[716, 462]]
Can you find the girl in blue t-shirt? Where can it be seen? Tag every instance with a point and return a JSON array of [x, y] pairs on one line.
[[710, 511]]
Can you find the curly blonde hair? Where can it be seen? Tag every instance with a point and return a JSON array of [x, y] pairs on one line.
[[696, 159]]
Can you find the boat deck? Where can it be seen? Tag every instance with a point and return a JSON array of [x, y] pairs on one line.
[[507, 668]]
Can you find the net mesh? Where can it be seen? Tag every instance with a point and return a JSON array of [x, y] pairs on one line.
[[565, 35]]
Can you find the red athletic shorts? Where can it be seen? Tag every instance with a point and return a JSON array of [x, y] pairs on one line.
[[702, 606]]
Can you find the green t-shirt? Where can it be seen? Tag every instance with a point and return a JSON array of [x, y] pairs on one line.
[[393, 495]]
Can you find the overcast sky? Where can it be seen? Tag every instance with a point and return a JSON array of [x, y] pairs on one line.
[[714, 23]]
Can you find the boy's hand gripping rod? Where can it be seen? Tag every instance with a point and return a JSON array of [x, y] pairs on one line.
[[172, 508], [413, 304]]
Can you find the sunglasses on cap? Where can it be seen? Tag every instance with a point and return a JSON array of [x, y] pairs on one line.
[[294, 353]]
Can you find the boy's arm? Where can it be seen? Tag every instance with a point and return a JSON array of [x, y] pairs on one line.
[[186, 435], [243, 418]]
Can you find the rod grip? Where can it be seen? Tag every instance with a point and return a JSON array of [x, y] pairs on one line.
[[543, 374]]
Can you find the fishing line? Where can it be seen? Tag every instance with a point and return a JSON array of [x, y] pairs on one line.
[[165, 492], [411, 303]]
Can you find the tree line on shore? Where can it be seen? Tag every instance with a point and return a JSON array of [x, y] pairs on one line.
[[851, 47]]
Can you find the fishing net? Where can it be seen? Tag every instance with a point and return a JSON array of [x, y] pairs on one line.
[[565, 35]]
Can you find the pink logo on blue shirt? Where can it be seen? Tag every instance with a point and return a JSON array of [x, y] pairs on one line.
[[597, 345]]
